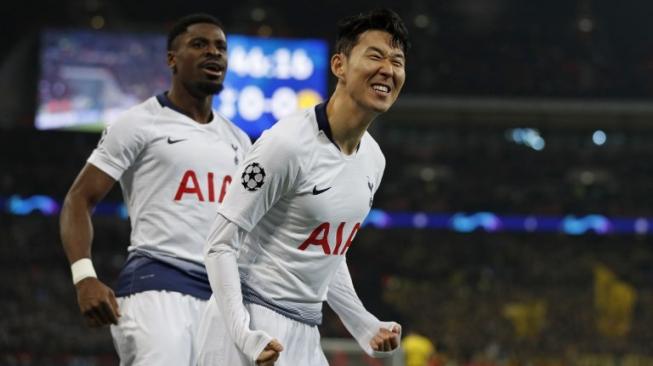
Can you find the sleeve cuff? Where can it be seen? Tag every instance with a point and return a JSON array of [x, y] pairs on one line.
[[256, 343], [382, 354], [104, 166]]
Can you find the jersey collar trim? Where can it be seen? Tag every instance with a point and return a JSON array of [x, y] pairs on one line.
[[323, 123], [164, 101]]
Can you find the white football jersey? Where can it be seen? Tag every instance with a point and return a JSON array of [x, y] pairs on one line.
[[301, 200], [173, 172]]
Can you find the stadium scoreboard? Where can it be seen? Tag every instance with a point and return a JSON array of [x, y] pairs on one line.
[[87, 78]]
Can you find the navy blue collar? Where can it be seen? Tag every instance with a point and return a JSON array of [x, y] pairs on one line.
[[323, 122], [164, 101]]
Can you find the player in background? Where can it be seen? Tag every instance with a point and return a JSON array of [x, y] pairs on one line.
[[277, 249], [174, 157]]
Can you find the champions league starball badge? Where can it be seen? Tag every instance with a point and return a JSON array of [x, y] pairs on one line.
[[253, 177]]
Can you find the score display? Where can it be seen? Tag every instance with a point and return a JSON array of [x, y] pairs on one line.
[[88, 78], [270, 78]]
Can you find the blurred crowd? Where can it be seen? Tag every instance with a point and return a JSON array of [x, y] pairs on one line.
[[512, 299], [41, 324], [505, 299], [449, 169], [443, 169]]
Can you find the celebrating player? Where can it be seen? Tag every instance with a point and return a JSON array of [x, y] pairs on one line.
[[174, 157], [277, 248]]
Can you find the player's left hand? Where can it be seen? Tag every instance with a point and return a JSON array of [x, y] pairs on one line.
[[386, 340]]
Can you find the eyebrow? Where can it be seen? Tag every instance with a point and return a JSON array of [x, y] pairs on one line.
[[393, 55], [204, 39], [197, 38]]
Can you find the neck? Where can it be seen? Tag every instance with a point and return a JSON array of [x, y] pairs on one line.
[[197, 108], [348, 121]]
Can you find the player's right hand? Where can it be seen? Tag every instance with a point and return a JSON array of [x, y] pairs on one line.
[[97, 302], [270, 354]]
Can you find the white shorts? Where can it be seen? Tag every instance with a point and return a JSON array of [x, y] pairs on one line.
[[301, 342], [158, 328]]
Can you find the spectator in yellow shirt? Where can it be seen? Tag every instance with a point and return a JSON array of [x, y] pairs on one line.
[[418, 350]]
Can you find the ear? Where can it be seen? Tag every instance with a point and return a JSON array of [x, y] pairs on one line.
[[172, 61], [339, 65]]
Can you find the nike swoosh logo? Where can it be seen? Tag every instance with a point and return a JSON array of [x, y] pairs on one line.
[[171, 141], [319, 191]]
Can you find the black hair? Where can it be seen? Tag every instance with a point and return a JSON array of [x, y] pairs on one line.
[[350, 28], [182, 25]]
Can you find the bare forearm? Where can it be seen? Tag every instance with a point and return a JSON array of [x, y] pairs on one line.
[[76, 228], [90, 186], [97, 302]]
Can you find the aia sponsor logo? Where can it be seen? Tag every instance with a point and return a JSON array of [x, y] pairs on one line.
[[320, 237], [202, 189]]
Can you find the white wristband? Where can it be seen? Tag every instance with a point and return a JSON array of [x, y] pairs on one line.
[[81, 269]]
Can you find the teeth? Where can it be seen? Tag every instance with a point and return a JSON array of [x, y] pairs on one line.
[[212, 68], [381, 88]]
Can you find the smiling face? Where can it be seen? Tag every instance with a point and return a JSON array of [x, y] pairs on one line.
[[374, 71], [199, 59]]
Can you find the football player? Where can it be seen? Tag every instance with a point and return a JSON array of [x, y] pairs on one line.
[[277, 249], [174, 157]]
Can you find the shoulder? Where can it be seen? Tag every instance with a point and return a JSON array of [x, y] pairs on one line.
[[286, 145], [372, 149], [235, 132], [137, 118], [294, 133]]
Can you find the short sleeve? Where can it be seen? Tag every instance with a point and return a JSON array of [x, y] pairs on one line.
[[121, 143], [270, 170]]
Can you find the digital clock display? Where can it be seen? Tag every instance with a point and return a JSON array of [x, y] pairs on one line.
[[271, 78]]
